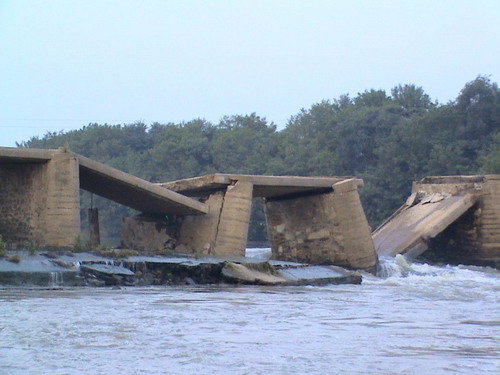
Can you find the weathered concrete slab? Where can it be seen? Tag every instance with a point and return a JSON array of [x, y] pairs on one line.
[[211, 270], [409, 231], [112, 183], [108, 274], [318, 275], [252, 273], [475, 237], [456, 217], [37, 270], [264, 186], [133, 191], [25, 155], [291, 274], [198, 186]]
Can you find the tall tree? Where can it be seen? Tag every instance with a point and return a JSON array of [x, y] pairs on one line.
[[243, 144]]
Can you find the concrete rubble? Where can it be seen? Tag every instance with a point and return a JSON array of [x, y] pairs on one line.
[[84, 269]]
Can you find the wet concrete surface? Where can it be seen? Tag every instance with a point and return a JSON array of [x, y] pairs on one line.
[[86, 269]]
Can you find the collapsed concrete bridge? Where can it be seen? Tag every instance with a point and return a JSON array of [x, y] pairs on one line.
[[312, 219], [40, 201], [316, 220]]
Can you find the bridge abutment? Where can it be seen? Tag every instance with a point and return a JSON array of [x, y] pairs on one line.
[[40, 195], [39, 201]]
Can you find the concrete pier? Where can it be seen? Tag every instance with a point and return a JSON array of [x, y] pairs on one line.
[[318, 220], [199, 233], [232, 231], [322, 228], [62, 210]]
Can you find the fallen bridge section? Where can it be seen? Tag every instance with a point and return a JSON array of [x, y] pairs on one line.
[[453, 219], [134, 192], [263, 186], [410, 230]]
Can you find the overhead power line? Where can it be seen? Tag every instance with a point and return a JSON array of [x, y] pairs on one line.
[[59, 119]]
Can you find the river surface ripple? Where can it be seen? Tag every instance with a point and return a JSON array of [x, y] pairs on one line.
[[443, 320]]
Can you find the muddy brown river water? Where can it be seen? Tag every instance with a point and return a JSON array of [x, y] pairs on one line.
[[432, 320]]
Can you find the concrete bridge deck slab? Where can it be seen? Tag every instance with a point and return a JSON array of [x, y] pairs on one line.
[[263, 186]]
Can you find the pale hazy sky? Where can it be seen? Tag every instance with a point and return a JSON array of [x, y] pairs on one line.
[[65, 63]]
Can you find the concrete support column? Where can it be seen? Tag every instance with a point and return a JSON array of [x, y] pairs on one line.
[[322, 228], [223, 231], [357, 241], [62, 216], [199, 232], [232, 232], [94, 232]]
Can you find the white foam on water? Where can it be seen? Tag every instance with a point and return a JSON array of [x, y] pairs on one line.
[[258, 253], [56, 279], [391, 269]]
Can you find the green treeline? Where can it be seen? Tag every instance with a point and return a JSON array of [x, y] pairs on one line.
[[389, 140]]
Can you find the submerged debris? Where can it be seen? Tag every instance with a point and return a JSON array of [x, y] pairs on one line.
[[252, 273], [88, 269], [13, 259]]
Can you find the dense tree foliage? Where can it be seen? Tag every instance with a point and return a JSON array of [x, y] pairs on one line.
[[388, 140]]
